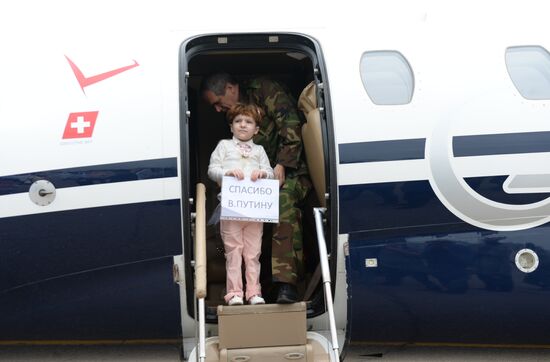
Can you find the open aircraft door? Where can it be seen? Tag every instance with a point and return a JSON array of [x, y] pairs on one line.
[[293, 60]]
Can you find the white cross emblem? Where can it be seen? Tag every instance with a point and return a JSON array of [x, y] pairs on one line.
[[80, 124]]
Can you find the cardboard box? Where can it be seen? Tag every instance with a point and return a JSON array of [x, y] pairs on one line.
[[267, 325]]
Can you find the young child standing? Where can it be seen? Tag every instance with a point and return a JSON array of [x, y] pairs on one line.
[[240, 157]]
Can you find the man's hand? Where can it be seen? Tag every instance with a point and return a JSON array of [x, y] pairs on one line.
[[238, 173], [279, 172]]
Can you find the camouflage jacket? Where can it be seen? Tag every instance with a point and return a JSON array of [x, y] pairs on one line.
[[281, 129]]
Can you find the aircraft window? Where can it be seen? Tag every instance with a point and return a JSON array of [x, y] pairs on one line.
[[529, 69], [387, 77]]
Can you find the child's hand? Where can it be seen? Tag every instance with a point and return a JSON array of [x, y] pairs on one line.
[[238, 173], [256, 174]]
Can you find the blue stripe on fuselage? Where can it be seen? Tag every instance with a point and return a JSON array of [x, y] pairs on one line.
[[391, 205], [490, 187], [43, 246], [413, 203], [87, 273], [380, 151], [92, 175], [501, 144], [463, 146]]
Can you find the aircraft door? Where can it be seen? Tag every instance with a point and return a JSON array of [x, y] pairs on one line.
[[293, 61]]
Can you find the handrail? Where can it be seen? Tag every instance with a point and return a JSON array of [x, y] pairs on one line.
[[200, 242], [323, 259], [200, 264]]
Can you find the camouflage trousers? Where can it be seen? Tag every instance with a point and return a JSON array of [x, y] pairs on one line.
[[287, 246]]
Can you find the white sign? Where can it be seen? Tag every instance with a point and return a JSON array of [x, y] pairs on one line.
[[250, 200]]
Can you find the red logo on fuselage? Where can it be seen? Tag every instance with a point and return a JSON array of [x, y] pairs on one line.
[[80, 125], [86, 81]]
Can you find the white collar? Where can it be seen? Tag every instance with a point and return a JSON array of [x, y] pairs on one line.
[[250, 142]]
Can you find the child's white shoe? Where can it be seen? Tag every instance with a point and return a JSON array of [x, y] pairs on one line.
[[236, 300], [256, 300]]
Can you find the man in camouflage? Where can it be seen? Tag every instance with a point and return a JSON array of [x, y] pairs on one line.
[[281, 136]]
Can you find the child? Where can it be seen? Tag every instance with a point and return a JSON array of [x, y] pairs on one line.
[[240, 157]]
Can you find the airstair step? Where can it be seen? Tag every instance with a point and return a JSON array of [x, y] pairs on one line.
[[265, 325], [269, 354]]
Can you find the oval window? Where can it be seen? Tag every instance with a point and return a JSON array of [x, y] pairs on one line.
[[529, 69], [387, 77]]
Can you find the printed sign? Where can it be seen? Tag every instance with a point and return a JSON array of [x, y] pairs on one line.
[[250, 200]]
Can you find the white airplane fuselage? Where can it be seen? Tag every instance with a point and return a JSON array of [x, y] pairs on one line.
[[437, 176]]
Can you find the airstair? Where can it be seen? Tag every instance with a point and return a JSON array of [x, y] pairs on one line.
[[266, 333]]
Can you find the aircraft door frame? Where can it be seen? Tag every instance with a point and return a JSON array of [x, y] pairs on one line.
[[249, 43]]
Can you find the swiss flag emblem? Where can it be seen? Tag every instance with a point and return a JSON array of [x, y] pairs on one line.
[[80, 125]]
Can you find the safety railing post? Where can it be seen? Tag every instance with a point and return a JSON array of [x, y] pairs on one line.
[[323, 259]]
